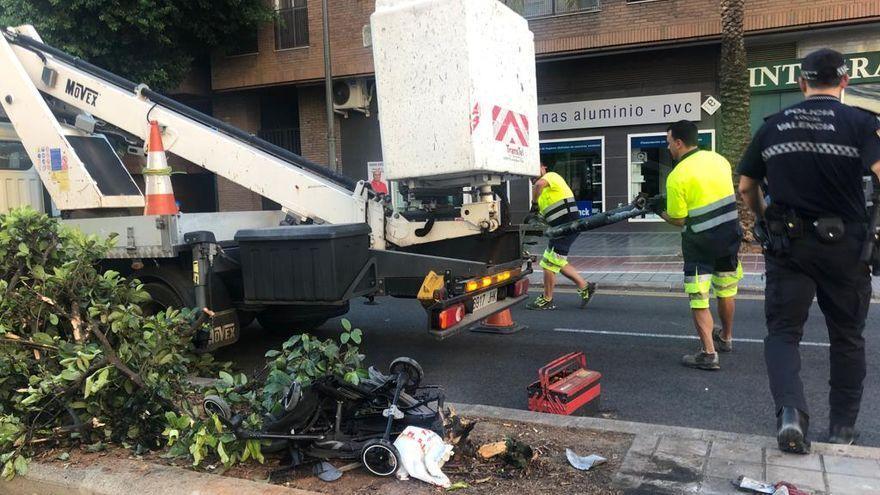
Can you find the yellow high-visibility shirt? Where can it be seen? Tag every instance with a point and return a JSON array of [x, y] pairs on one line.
[[555, 191], [700, 184]]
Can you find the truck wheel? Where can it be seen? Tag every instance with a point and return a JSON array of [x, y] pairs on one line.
[[164, 297]]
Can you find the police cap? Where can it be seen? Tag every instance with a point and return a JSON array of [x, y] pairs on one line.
[[824, 66]]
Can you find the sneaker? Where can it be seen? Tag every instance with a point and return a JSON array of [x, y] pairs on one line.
[[587, 293], [702, 361], [721, 345], [541, 304]]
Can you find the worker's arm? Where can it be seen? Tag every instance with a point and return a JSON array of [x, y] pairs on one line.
[[876, 169], [750, 191], [679, 222], [539, 186], [676, 211]]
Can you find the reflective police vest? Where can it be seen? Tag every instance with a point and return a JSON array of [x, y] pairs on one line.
[[556, 202], [700, 189]]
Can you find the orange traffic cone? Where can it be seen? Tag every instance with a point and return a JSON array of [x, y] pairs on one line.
[[157, 177], [500, 323]]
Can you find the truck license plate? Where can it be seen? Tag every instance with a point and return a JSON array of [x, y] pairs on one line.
[[485, 299]]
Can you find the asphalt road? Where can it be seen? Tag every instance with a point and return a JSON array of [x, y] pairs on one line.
[[642, 378]]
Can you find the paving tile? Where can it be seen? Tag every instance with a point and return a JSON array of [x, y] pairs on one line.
[[644, 444], [852, 466], [636, 463], [736, 451], [801, 478], [718, 486], [779, 458], [839, 483], [731, 470], [681, 466], [672, 445]]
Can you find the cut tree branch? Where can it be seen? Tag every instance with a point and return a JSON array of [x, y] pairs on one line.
[[113, 358]]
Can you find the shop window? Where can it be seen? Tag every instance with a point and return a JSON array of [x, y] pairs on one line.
[[650, 164], [292, 24], [581, 163], [543, 8], [13, 156]]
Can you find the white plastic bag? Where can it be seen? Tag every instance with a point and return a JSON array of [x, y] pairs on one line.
[[422, 455]]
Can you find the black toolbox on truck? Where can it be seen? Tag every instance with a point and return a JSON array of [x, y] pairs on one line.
[[302, 263]]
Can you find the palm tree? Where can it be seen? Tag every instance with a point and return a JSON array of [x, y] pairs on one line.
[[733, 76]]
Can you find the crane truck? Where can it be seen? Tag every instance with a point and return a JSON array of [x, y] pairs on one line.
[[449, 146]]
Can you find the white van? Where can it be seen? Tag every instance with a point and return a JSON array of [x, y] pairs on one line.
[[19, 182]]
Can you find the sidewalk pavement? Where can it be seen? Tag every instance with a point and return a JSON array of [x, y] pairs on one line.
[[643, 261], [667, 460]]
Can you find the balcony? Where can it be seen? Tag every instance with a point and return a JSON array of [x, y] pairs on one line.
[[531, 9]]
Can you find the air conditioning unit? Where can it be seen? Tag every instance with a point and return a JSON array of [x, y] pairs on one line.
[[352, 94]]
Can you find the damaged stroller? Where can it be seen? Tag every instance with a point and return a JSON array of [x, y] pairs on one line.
[[333, 419]]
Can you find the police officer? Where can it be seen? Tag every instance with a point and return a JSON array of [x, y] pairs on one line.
[[700, 198], [556, 203], [813, 156]]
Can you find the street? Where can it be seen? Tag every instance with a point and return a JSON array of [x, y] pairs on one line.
[[635, 341]]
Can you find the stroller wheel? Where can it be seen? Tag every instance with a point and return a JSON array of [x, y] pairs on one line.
[[292, 396], [214, 404], [380, 457], [412, 369]]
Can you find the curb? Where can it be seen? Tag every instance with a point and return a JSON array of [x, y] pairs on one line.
[[651, 430], [126, 476]]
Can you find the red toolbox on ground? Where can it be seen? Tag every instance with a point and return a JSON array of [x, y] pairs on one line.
[[566, 386]]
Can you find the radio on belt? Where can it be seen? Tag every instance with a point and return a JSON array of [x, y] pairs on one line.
[[565, 386]]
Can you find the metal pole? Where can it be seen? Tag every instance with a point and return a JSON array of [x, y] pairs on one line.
[[328, 91]]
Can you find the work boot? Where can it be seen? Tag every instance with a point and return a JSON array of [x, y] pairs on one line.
[[702, 360], [842, 435], [587, 293], [721, 345], [541, 304], [791, 430]]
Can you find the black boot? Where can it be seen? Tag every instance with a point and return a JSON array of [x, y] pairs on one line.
[[791, 430], [842, 435]]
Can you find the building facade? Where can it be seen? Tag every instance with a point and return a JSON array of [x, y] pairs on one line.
[[612, 74]]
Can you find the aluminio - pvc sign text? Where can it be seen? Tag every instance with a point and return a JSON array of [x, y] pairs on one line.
[[783, 75], [659, 109]]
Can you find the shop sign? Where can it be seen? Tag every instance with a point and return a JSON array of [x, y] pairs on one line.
[[783, 75], [659, 109]]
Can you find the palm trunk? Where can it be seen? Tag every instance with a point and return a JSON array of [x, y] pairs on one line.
[[735, 133]]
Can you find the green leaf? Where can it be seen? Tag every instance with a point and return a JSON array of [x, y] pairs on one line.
[[344, 338], [356, 336], [346, 324], [23, 249], [21, 465], [53, 319], [273, 353], [226, 378], [70, 375], [221, 451]]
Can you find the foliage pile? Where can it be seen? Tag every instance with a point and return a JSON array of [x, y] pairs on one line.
[[81, 363]]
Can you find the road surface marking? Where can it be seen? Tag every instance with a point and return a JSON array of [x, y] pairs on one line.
[[666, 336]]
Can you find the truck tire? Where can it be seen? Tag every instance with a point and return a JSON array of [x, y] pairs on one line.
[[164, 297]]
